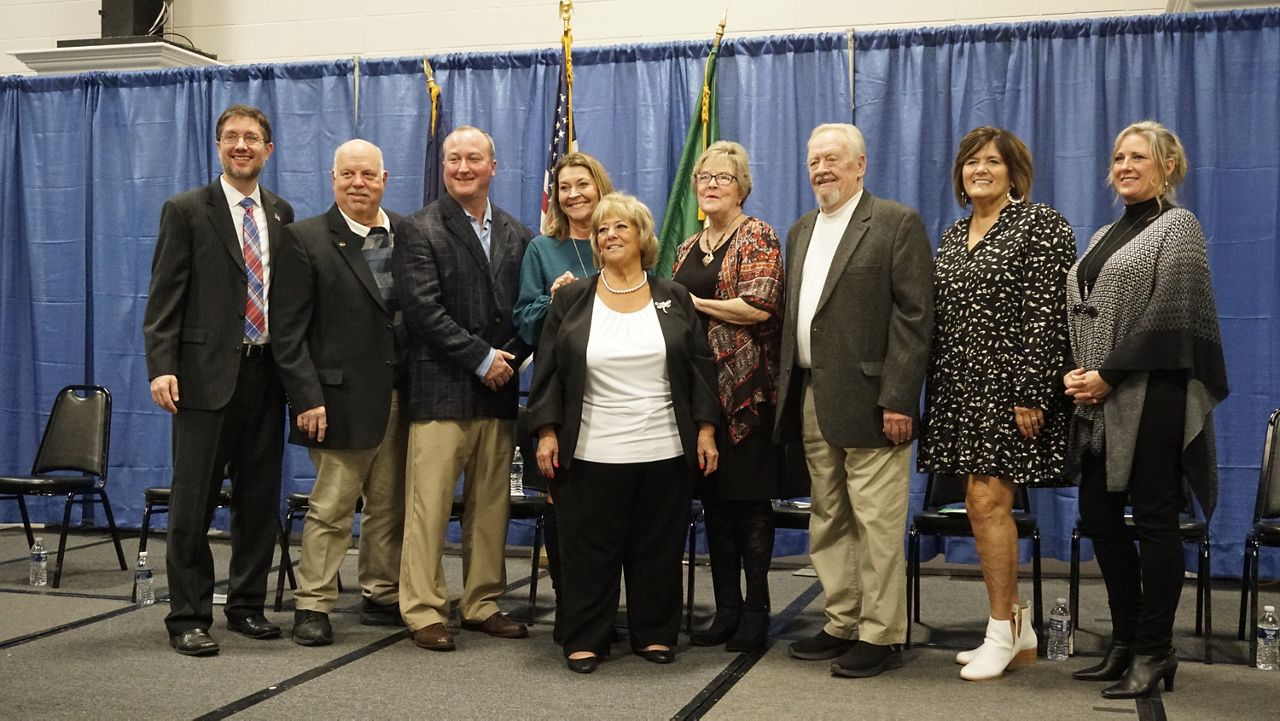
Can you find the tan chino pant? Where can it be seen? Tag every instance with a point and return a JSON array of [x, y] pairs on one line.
[[342, 476], [440, 451], [856, 526]]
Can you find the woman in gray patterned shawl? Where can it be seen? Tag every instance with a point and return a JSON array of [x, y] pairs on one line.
[[1148, 370]]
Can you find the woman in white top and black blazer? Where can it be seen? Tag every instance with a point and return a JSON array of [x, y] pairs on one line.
[[624, 401]]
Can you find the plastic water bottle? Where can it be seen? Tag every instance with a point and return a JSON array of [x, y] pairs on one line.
[[1268, 640], [39, 563], [517, 474], [144, 582], [1059, 632]]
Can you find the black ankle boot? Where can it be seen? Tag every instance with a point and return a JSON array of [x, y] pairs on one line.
[[724, 625], [1111, 667], [1143, 675], [753, 631]]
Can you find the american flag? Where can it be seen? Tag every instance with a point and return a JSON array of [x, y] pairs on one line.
[[563, 138]]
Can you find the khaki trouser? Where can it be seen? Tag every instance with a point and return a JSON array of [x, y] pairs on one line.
[[856, 526], [440, 451], [342, 476]]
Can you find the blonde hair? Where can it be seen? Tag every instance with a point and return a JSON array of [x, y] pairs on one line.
[[734, 153], [557, 223], [1165, 145], [630, 209]]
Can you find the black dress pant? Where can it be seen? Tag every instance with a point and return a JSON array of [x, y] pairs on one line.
[[617, 518], [249, 434], [1143, 583]]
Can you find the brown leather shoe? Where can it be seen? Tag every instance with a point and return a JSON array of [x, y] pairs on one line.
[[434, 638], [498, 625]]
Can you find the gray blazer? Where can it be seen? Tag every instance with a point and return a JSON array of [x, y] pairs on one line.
[[870, 335], [457, 304]]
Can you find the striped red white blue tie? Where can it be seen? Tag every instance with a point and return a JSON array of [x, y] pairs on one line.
[[255, 304]]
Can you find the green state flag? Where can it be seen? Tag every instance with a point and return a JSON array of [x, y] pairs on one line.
[[682, 217]]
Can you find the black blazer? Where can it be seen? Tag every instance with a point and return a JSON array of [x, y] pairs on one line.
[[560, 370], [457, 305], [335, 342], [194, 322]]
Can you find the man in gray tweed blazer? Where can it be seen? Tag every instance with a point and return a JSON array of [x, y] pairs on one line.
[[855, 344], [457, 270]]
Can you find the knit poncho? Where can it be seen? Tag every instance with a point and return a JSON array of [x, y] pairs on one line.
[[1151, 308]]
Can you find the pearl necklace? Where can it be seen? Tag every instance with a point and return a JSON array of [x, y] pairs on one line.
[[604, 279]]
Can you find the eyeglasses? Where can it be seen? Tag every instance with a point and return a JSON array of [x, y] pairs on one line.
[[1085, 309], [233, 139], [720, 178]]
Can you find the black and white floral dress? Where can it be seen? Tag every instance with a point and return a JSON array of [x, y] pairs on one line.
[[1000, 340]]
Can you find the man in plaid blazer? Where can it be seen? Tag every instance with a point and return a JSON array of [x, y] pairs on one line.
[[457, 270]]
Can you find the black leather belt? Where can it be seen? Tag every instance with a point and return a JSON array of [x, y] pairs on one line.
[[249, 350]]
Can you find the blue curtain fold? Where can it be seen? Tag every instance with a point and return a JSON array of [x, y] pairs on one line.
[[86, 162]]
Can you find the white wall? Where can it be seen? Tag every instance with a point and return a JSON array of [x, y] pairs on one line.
[[245, 31]]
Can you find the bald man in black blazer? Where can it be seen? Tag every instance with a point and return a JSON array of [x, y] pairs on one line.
[[340, 346], [210, 364]]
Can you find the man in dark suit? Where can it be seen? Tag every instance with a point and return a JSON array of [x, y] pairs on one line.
[[854, 350], [210, 363], [458, 272], [338, 345]]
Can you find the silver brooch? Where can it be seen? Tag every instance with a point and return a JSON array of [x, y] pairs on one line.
[[662, 305]]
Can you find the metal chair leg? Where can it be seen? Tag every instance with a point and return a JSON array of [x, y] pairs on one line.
[[1244, 588], [688, 605], [1037, 588], [1254, 552], [26, 520], [111, 524], [62, 540], [1073, 585], [285, 561], [1206, 577], [534, 571], [913, 556]]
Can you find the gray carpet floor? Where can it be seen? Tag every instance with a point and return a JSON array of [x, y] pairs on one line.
[[84, 651]]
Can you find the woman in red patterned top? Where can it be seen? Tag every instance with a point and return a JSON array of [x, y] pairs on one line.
[[733, 270]]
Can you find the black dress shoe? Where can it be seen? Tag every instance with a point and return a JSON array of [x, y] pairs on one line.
[[193, 642], [583, 665], [256, 627], [867, 659], [819, 648], [722, 628], [312, 628], [373, 613], [1143, 675], [1112, 666], [656, 655]]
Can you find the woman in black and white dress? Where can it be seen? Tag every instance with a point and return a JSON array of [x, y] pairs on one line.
[[624, 402], [994, 414], [1147, 371]]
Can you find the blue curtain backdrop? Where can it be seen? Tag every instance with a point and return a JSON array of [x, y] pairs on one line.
[[86, 162]]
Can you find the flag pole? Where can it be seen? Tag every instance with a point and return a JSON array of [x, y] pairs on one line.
[[566, 44]]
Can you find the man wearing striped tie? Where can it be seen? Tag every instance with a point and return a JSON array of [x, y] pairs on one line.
[[210, 364]]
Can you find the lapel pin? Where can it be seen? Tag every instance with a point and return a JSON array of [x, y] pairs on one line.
[[342, 243], [662, 305], [277, 217]]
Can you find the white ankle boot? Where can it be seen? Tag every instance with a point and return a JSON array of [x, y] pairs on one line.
[[1008, 644], [1026, 639]]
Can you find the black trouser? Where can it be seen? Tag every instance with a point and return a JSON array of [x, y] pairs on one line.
[[1143, 583], [248, 432], [617, 518], [740, 542]]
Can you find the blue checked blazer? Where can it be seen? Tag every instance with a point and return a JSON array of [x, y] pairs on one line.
[[457, 305]]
